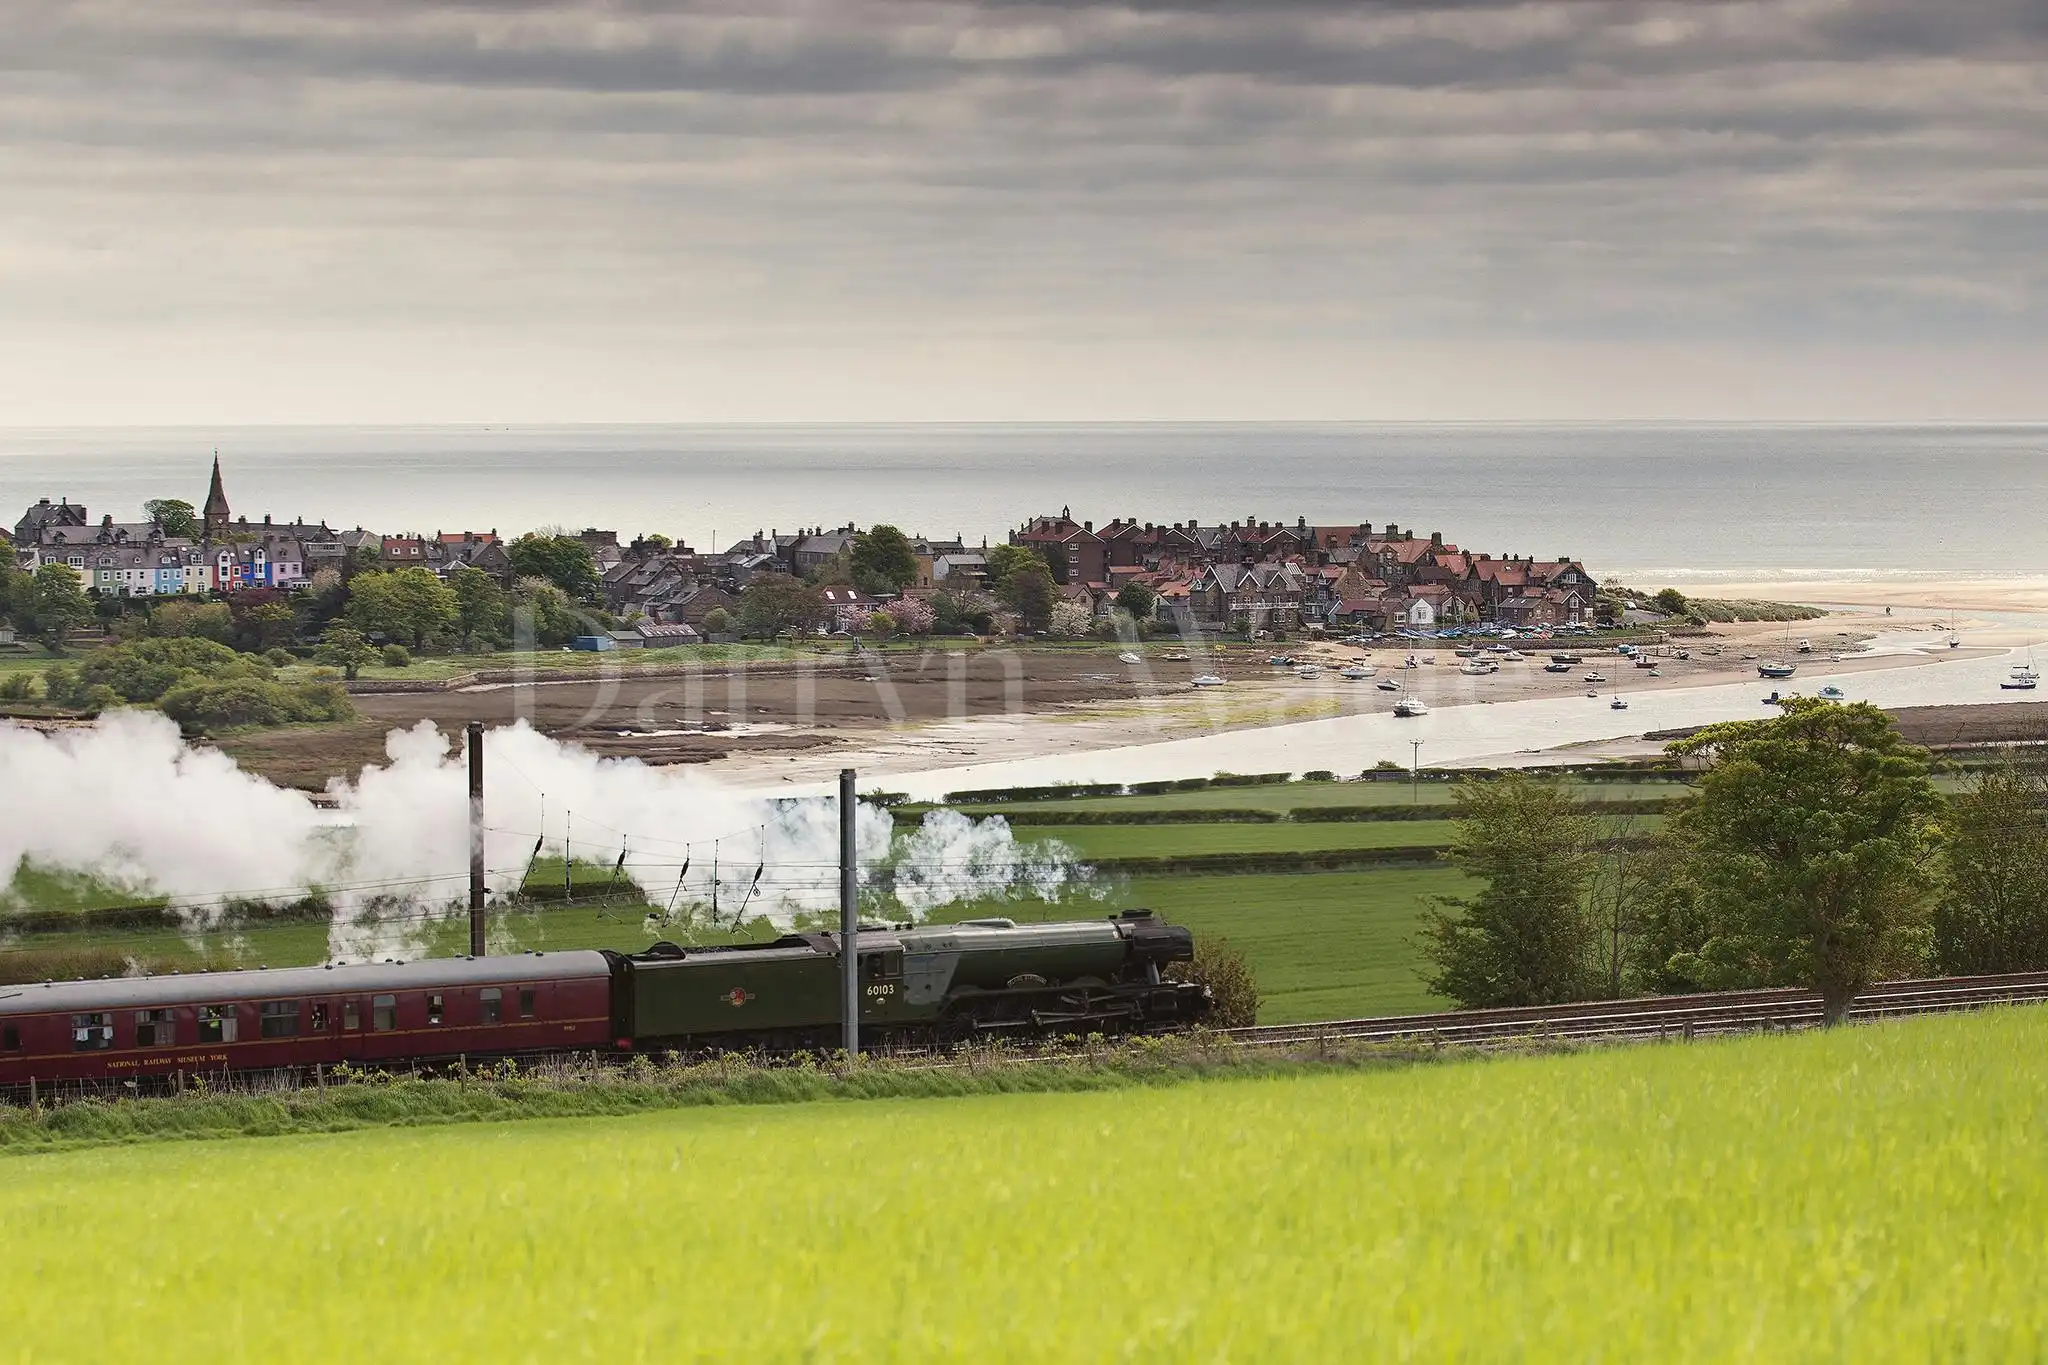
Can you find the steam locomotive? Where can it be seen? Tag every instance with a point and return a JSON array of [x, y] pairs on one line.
[[925, 985]]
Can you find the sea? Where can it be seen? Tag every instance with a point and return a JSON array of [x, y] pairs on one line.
[[1651, 504]]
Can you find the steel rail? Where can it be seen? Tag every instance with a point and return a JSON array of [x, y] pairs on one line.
[[1657, 1016]]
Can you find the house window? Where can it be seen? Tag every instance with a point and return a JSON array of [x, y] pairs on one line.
[[490, 1005], [433, 1009], [351, 1015], [383, 1013], [217, 1023], [92, 1032], [155, 1028], [280, 1018], [526, 1002]]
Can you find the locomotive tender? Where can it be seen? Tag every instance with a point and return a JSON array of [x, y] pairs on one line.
[[918, 985]]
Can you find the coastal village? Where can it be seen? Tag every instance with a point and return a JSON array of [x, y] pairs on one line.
[[1246, 577]]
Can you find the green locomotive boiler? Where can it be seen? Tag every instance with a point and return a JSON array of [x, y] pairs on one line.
[[918, 985]]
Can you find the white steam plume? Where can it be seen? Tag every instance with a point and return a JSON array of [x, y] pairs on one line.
[[127, 801]]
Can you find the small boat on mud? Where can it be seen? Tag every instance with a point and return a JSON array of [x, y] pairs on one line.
[[1832, 693], [1354, 672], [1206, 680], [1410, 707], [1129, 658], [1772, 668], [1618, 704]]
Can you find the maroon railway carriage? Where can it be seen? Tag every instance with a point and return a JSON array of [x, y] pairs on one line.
[[160, 1026]]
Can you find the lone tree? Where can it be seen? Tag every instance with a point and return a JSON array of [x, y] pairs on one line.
[[177, 517], [1993, 912], [347, 650], [407, 604], [1137, 600], [480, 605], [1812, 846], [883, 555], [1005, 562], [563, 561], [1525, 938], [1672, 602], [49, 604], [1032, 594], [775, 603]]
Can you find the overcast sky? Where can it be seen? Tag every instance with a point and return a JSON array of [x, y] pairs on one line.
[[395, 210]]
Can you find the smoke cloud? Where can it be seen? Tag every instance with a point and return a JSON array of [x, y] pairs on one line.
[[130, 803]]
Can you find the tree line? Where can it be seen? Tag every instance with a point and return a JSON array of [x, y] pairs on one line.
[[1814, 851]]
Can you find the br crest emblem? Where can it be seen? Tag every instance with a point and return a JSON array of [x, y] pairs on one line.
[[737, 996]]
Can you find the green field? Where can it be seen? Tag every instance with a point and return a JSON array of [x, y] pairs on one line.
[[1282, 796], [1871, 1194], [1166, 841]]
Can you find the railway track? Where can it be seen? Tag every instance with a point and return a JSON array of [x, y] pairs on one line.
[[1672, 1016]]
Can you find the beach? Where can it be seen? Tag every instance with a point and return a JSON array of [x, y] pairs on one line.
[[1270, 720]]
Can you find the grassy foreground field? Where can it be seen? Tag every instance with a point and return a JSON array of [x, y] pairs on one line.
[[1877, 1193]]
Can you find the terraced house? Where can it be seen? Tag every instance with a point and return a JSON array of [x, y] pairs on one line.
[[138, 559]]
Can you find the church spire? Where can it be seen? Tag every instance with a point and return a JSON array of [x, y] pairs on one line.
[[216, 512]]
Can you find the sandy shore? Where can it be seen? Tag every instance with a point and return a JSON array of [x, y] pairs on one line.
[[1851, 649], [1937, 598]]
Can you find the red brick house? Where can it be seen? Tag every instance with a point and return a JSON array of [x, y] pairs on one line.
[[1072, 549]]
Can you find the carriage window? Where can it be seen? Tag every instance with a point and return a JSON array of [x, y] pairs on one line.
[[318, 1021], [280, 1018], [216, 1023], [351, 1014], [433, 1009], [383, 1012], [526, 1002], [10, 1038], [489, 1008], [92, 1032], [155, 1028]]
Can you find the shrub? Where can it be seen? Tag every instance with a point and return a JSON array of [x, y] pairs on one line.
[[18, 687], [1222, 968], [1071, 620], [718, 621], [1319, 775], [144, 671], [397, 656], [278, 658], [239, 702], [914, 616]]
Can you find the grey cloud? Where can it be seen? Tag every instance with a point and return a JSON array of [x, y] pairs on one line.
[[863, 171]]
